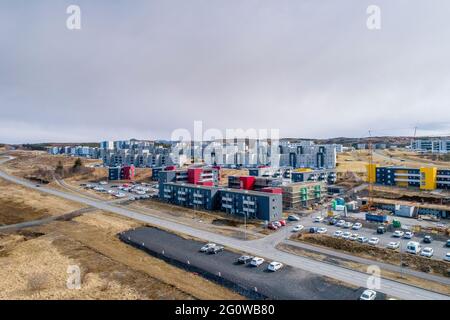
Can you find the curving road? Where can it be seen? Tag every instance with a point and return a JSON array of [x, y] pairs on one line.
[[261, 247]]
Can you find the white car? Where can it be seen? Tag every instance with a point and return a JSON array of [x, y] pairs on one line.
[[408, 235], [297, 228], [447, 257], [120, 195], [207, 246], [103, 183], [256, 261], [363, 239], [393, 245], [398, 234], [338, 233], [357, 226], [374, 241], [318, 219], [340, 223], [348, 225], [368, 295], [354, 237], [322, 230], [427, 252], [274, 266], [346, 235]]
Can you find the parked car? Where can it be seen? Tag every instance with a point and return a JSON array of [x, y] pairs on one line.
[[207, 246], [393, 245], [274, 266], [353, 237], [408, 235], [293, 217], [318, 219], [244, 259], [374, 241], [448, 243], [398, 234], [340, 223], [368, 295], [346, 235], [332, 221], [338, 233], [348, 225], [271, 226], [447, 257], [362, 239], [427, 252], [427, 239], [413, 247], [277, 224], [297, 228], [256, 261], [313, 229], [215, 249], [357, 226], [282, 222], [322, 230], [381, 229]]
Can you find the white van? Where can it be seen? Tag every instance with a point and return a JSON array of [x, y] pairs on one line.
[[413, 247]]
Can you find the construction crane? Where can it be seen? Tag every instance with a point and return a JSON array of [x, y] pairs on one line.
[[370, 195]]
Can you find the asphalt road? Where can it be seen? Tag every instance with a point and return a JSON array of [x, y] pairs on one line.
[[287, 283], [260, 247]]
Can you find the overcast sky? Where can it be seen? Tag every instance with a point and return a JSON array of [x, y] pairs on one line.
[[310, 68]]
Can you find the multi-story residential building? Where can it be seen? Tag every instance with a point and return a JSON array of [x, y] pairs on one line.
[[431, 145], [425, 178], [76, 151], [306, 154], [197, 188], [302, 194], [302, 175]]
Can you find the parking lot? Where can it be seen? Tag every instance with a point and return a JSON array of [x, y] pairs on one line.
[[126, 191], [439, 247], [286, 283]]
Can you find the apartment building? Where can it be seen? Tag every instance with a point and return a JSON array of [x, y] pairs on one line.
[[197, 188], [306, 154], [425, 178], [431, 145], [302, 194], [302, 175]]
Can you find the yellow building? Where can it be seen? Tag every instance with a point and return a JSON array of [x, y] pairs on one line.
[[428, 178], [372, 172]]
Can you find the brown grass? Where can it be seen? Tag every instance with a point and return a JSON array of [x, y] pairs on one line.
[[19, 204], [110, 268]]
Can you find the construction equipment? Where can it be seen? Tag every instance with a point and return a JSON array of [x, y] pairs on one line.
[[369, 206]]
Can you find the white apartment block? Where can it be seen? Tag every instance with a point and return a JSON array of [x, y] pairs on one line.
[[431, 145]]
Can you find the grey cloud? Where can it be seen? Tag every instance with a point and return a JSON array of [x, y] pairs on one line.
[[144, 68]]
